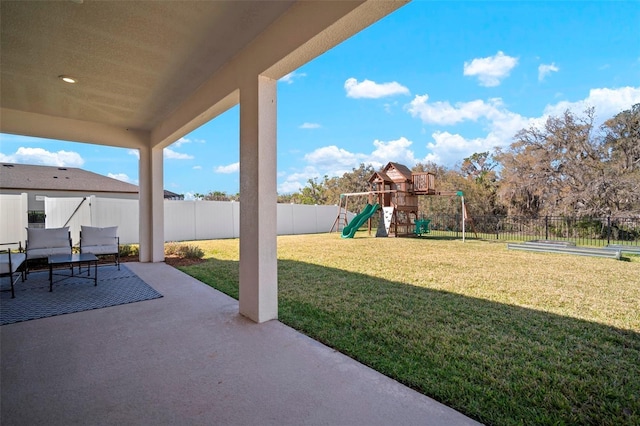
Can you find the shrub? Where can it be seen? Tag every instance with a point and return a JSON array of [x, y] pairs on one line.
[[172, 249], [129, 250], [588, 228], [187, 251], [192, 252]]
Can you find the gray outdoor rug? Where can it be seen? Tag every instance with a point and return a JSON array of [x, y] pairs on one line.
[[33, 299]]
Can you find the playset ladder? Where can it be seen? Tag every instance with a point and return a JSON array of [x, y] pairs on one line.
[[341, 218]]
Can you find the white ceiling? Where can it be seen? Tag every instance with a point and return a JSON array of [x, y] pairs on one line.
[[153, 67], [135, 61]]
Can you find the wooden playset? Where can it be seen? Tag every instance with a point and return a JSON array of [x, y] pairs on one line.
[[395, 190]]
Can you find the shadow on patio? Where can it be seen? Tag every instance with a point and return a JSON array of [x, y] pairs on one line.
[[190, 358]]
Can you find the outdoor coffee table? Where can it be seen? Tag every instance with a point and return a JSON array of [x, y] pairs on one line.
[[72, 260]]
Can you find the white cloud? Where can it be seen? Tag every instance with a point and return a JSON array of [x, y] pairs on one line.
[[180, 142], [40, 156], [333, 161], [333, 157], [452, 141], [123, 177], [607, 103], [388, 107], [444, 113], [496, 126], [197, 167], [546, 69], [134, 152], [310, 126], [447, 148], [231, 168], [396, 151], [500, 124], [292, 76], [170, 154], [492, 69], [189, 196], [289, 187], [296, 181], [372, 90]]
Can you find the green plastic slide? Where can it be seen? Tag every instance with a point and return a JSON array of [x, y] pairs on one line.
[[350, 230]]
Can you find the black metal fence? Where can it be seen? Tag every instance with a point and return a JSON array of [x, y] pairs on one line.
[[592, 231]]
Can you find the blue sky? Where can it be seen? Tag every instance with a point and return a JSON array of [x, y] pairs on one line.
[[434, 81]]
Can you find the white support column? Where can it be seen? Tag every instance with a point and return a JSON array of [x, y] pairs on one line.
[[258, 200], [151, 205]]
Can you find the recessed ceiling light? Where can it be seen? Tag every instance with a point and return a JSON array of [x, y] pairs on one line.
[[68, 79]]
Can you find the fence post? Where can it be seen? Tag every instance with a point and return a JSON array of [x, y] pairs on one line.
[[546, 227], [608, 230]]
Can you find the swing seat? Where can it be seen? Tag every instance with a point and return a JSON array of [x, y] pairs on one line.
[[422, 226]]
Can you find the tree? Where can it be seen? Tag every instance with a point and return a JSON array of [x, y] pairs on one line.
[[357, 180], [479, 167], [431, 167], [550, 170], [445, 180], [313, 192], [621, 139], [569, 168], [217, 196], [328, 190], [481, 184], [287, 198]]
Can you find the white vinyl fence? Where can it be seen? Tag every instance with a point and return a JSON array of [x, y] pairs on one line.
[[183, 220], [13, 218], [93, 211]]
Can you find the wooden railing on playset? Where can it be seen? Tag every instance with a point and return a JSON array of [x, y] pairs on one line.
[[424, 183]]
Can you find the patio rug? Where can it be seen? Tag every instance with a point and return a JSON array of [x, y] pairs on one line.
[[33, 299]]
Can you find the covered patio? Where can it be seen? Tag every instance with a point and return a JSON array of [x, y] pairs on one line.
[[146, 74], [142, 74], [189, 358]]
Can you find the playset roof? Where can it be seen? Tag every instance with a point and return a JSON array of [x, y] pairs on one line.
[[397, 172], [381, 176]]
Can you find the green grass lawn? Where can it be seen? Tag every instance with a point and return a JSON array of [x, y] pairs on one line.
[[505, 337]]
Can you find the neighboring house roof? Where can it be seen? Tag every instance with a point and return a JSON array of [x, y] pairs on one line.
[[168, 195], [29, 177]]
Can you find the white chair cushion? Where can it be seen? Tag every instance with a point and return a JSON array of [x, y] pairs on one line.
[[93, 236], [105, 249], [47, 238], [16, 261], [46, 252]]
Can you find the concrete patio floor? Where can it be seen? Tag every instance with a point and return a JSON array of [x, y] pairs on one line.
[[189, 358]]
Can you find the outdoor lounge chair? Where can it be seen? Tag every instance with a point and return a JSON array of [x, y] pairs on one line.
[[12, 264], [100, 241], [42, 243]]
